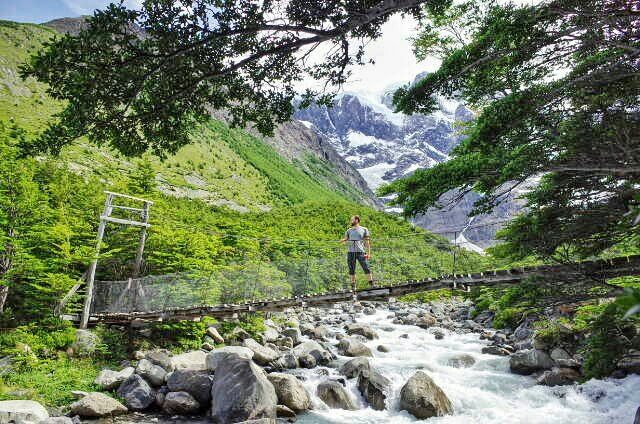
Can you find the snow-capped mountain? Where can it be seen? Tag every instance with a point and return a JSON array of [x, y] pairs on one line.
[[383, 146]]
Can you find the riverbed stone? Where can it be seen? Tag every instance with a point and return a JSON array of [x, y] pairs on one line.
[[262, 355], [559, 377], [335, 396], [161, 358], [294, 333], [22, 411], [529, 361], [215, 335], [287, 361], [151, 372], [136, 393], [383, 348], [109, 379], [630, 362], [463, 360], [352, 347], [495, 350], [180, 403], [196, 383], [362, 330], [290, 391], [216, 356], [423, 398], [241, 391], [426, 321], [195, 360], [97, 405], [315, 349], [307, 361], [353, 368], [373, 386]]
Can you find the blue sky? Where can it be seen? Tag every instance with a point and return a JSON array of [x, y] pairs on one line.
[[39, 11]]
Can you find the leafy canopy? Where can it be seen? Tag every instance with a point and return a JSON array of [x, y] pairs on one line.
[[557, 88], [140, 79]]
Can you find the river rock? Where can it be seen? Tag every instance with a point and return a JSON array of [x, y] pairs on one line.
[[154, 374], [630, 362], [315, 349], [109, 380], [559, 377], [213, 333], [22, 411], [335, 396], [180, 403], [353, 368], [241, 391], [262, 355], [317, 333], [270, 334], [136, 393], [290, 391], [383, 348], [294, 333], [462, 360], [438, 333], [96, 405], [196, 383], [287, 361], [529, 361], [353, 347], [220, 354], [373, 386], [559, 353], [426, 321], [307, 361], [195, 360], [238, 334], [362, 330], [161, 358], [423, 398], [57, 420], [495, 350]]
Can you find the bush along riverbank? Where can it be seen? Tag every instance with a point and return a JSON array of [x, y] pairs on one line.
[[388, 362]]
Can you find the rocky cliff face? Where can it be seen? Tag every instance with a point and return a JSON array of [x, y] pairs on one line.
[[383, 146]]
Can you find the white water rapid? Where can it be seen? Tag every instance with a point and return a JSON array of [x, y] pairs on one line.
[[483, 393]]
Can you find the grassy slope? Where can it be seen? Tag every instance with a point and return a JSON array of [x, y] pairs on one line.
[[222, 165]]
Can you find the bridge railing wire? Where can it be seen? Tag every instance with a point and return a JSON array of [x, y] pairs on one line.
[[310, 266]]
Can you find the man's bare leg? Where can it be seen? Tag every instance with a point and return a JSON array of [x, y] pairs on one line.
[[353, 287], [370, 277]]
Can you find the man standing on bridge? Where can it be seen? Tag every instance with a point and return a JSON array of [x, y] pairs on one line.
[[358, 241]]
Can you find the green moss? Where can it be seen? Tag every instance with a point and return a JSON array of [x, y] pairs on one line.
[[428, 296]]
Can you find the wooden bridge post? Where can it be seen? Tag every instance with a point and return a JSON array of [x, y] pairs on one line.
[[86, 311], [143, 237]]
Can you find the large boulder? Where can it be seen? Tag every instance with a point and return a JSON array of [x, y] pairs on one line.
[[353, 347], [290, 391], [96, 405], [362, 330], [422, 398], [136, 393], [335, 396], [216, 356], [109, 380], [559, 377], [270, 334], [374, 386], [196, 383], [22, 411], [353, 368], [195, 360], [241, 391], [262, 355], [180, 403], [151, 372], [161, 358], [529, 361], [314, 349]]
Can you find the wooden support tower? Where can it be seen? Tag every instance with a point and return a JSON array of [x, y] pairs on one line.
[[105, 218]]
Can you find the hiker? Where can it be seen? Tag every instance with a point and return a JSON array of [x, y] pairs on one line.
[[358, 240]]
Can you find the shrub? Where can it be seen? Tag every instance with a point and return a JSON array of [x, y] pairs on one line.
[[42, 339], [180, 335]]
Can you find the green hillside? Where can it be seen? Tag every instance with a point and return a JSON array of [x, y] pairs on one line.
[[222, 166]]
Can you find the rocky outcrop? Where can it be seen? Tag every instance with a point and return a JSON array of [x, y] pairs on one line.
[[423, 398], [136, 393], [97, 405], [374, 388], [241, 391], [529, 361], [335, 396], [290, 392]]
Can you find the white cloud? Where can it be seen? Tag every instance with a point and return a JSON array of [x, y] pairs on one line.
[[86, 7]]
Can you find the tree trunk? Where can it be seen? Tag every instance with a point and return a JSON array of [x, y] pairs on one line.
[[4, 292]]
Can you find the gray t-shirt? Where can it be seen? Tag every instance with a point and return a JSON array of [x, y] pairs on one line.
[[355, 238]]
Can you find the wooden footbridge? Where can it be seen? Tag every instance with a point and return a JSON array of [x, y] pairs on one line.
[[597, 271]]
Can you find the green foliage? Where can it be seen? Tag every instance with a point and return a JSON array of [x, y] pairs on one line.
[[510, 305], [114, 343], [180, 335], [252, 324], [43, 339], [427, 296], [554, 98], [547, 331]]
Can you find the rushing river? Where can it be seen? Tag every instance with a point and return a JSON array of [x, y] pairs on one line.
[[484, 393]]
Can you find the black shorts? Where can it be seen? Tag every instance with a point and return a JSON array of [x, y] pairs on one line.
[[352, 257]]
